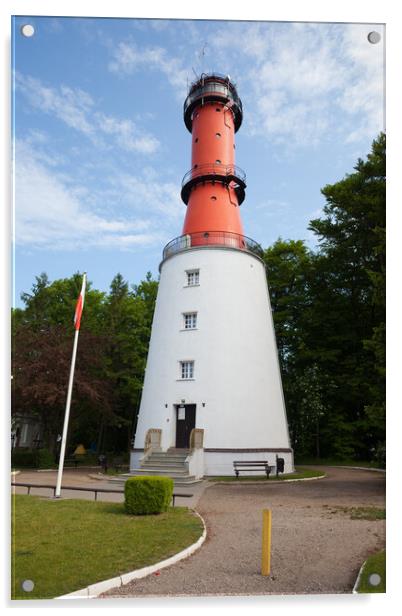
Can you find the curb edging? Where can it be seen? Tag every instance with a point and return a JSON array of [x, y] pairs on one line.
[[361, 468], [94, 590], [355, 587], [249, 481]]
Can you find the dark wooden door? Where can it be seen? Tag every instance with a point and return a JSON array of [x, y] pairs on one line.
[[185, 422]]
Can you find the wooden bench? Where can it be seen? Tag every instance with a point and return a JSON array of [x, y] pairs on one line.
[[252, 465]]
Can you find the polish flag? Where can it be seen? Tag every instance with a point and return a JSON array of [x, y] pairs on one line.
[[80, 304]]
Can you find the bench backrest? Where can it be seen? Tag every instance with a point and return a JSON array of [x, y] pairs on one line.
[[246, 463]]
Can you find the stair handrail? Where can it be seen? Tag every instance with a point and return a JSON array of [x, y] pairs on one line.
[[196, 438]]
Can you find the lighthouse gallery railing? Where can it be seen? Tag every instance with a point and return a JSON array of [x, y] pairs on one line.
[[212, 238]]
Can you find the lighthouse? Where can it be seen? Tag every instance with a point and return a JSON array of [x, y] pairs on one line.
[[212, 390]]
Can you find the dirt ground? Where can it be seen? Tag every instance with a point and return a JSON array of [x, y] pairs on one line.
[[316, 548]]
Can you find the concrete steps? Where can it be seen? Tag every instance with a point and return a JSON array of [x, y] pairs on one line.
[[171, 463]]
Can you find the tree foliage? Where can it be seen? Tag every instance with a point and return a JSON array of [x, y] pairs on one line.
[[114, 336], [329, 313]]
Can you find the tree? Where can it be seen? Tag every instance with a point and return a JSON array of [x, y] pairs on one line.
[[111, 358], [41, 365], [347, 315], [290, 269], [41, 356], [128, 319], [329, 313]]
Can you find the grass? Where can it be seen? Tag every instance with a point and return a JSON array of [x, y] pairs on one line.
[[301, 473], [359, 513], [65, 545], [123, 470], [374, 565], [336, 462]]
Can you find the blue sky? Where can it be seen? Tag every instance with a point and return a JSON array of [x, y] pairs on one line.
[[101, 147]]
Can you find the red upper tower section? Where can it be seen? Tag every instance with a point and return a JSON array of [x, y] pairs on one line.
[[214, 187]]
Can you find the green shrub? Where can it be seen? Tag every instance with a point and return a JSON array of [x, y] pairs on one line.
[[23, 458], [90, 459], [37, 458], [147, 495], [44, 459], [380, 455]]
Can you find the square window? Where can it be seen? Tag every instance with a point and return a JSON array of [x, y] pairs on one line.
[[187, 369], [190, 320], [193, 278]]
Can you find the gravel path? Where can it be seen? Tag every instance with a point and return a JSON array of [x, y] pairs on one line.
[[316, 548]]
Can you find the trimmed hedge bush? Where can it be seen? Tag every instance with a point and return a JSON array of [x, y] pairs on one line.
[[147, 495]]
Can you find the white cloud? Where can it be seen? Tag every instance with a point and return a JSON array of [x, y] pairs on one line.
[[161, 199], [363, 94], [76, 109], [308, 81], [54, 210], [128, 58], [126, 134], [68, 105], [50, 214]]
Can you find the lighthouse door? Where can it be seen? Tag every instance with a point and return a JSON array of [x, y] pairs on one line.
[[185, 422]]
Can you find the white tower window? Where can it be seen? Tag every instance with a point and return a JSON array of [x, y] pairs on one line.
[[193, 277], [190, 320], [187, 369]]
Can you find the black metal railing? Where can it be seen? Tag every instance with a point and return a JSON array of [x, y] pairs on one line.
[[215, 169], [212, 238], [209, 88], [215, 172], [96, 490]]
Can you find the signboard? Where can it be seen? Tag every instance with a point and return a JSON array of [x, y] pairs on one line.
[[181, 414]]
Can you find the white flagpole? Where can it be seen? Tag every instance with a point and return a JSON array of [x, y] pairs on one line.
[[66, 417], [67, 411]]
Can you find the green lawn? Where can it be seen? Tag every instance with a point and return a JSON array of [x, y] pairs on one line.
[[375, 566], [65, 545], [301, 473], [358, 513], [335, 462]]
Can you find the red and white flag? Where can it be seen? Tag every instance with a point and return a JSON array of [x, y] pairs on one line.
[[80, 304]]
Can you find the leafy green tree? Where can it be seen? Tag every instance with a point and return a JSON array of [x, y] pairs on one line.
[[41, 357], [346, 321], [288, 265], [121, 325], [114, 338], [41, 366], [329, 313], [128, 320]]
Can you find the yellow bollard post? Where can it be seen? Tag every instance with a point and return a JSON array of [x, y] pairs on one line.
[[266, 541]]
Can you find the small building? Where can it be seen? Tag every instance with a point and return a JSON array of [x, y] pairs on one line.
[[26, 432]]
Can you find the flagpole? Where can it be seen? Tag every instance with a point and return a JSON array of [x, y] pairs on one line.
[[77, 320], [66, 416]]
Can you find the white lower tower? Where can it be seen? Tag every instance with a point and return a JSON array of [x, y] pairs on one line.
[[212, 385], [234, 392]]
